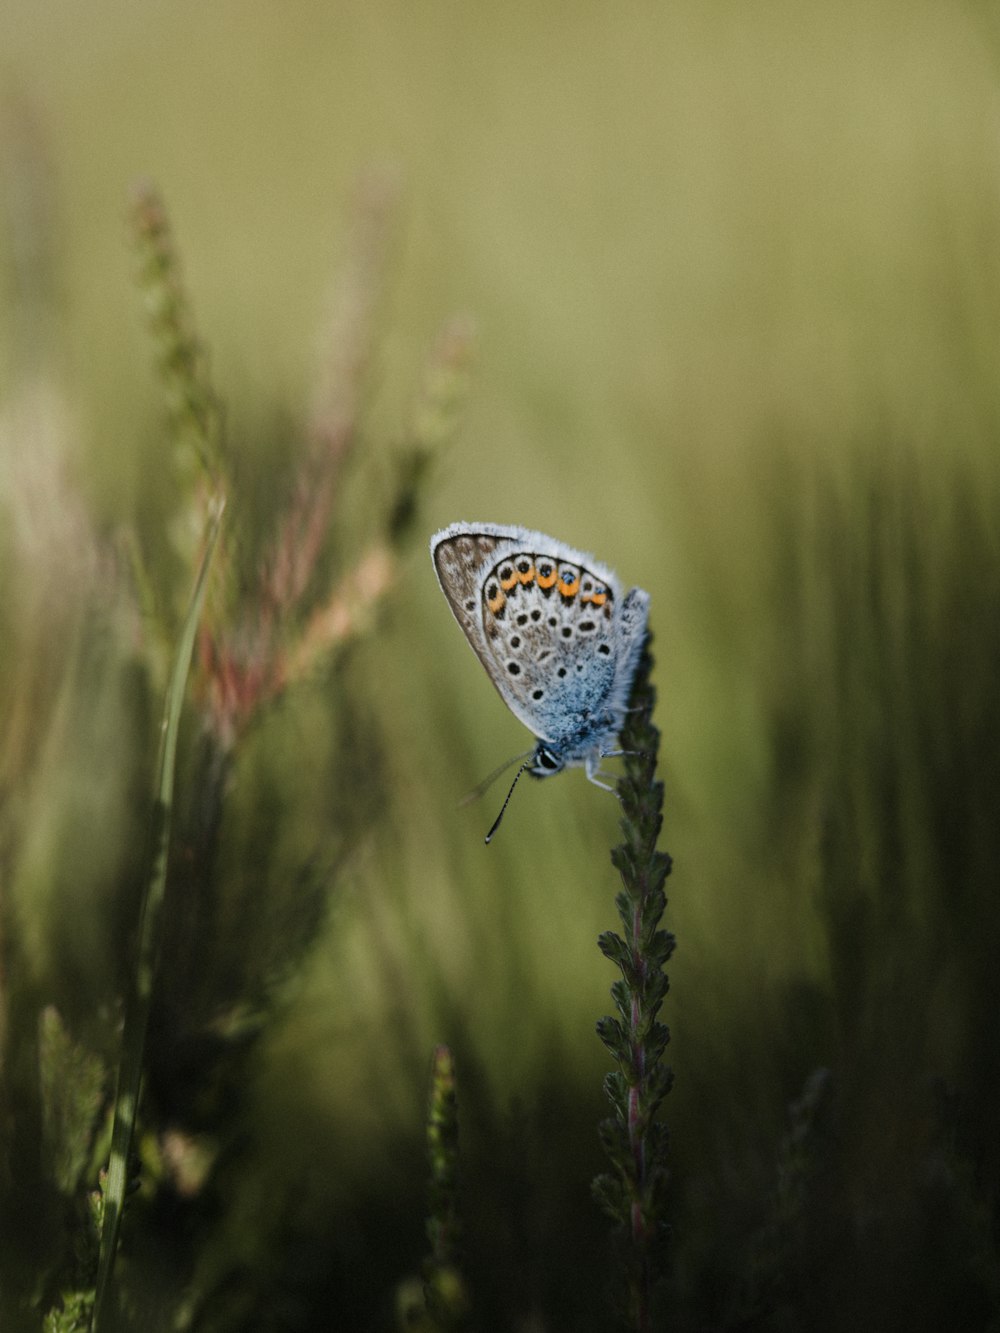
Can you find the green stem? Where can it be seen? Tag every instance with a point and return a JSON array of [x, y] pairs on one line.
[[150, 933]]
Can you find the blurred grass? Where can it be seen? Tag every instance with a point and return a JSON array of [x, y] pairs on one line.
[[736, 281]]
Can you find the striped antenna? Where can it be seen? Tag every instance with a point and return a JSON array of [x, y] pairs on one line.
[[496, 822]]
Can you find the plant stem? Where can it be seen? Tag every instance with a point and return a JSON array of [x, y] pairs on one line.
[[150, 933], [444, 1289], [636, 1142]]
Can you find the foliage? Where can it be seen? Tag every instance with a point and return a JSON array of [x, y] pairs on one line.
[[199, 1002], [737, 272]]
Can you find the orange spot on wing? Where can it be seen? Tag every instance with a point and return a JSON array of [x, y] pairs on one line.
[[526, 575], [496, 603], [547, 580], [508, 582], [569, 589], [598, 598]]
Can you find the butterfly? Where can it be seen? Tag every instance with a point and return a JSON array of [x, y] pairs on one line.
[[557, 637]]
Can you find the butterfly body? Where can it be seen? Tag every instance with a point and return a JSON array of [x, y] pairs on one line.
[[558, 638]]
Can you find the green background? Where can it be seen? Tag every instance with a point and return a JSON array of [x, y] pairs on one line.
[[734, 276]]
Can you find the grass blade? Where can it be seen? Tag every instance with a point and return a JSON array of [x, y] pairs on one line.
[[137, 1011]]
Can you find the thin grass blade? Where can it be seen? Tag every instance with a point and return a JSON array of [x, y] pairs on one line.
[[137, 1011]]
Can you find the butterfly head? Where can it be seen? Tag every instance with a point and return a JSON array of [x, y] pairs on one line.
[[545, 761]]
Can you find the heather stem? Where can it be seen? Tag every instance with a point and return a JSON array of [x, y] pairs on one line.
[[633, 1193]]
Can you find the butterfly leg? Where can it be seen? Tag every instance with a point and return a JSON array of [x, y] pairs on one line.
[[594, 773]]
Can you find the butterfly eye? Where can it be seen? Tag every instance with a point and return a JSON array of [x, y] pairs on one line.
[[547, 760]]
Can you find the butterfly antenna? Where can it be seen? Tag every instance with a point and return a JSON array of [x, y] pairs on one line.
[[496, 822], [488, 782]]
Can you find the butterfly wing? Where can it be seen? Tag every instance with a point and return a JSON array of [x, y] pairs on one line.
[[544, 620], [462, 553], [633, 616]]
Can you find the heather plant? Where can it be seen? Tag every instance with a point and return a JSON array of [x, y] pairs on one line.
[[442, 1303], [635, 1139]]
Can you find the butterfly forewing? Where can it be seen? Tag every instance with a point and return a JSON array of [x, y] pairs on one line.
[[459, 560]]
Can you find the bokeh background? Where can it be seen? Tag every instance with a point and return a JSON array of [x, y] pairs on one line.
[[734, 276]]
